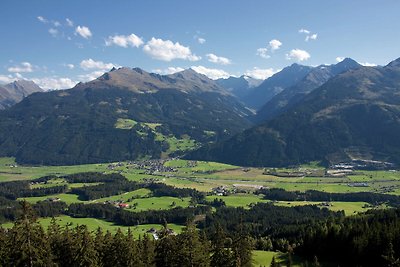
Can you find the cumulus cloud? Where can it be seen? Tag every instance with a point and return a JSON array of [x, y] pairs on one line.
[[201, 40], [260, 74], [211, 73], [302, 30], [218, 60], [53, 32], [339, 59], [69, 66], [298, 54], [367, 64], [42, 19], [90, 64], [83, 31], [309, 35], [275, 44], [263, 52], [54, 83], [124, 40], [23, 67], [169, 70], [91, 76], [69, 22], [166, 50], [7, 79]]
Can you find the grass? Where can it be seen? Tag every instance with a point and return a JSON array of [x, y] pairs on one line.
[[349, 208], [94, 224], [8, 173], [158, 203], [238, 200], [140, 193], [264, 258], [125, 124], [67, 198]]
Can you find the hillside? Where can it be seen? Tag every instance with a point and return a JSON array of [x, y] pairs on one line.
[[292, 95], [14, 92], [354, 115], [82, 124]]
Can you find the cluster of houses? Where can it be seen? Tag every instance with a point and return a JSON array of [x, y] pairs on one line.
[[153, 166], [117, 203], [156, 233], [363, 164]]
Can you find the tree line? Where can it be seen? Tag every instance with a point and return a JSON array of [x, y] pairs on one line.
[[28, 244], [314, 195]]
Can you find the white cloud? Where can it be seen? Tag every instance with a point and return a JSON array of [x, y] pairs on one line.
[[302, 30], [211, 73], [23, 67], [90, 64], [311, 37], [260, 74], [124, 40], [7, 79], [91, 76], [367, 64], [53, 32], [298, 54], [56, 23], [169, 70], [201, 40], [83, 31], [69, 22], [263, 52], [275, 44], [166, 50], [218, 60], [54, 83], [42, 19], [339, 59], [69, 66]]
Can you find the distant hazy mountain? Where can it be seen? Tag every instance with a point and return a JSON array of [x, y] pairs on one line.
[[14, 92], [354, 115], [275, 84], [292, 95], [87, 123], [239, 86]]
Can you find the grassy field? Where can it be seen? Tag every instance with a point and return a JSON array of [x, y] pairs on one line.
[[93, 224], [264, 258], [239, 200], [67, 198], [349, 208], [10, 171]]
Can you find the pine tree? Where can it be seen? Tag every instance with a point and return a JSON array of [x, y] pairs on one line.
[[220, 255], [192, 251], [28, 244], [85, 253], [273, 262], [147, 251], [390, 259]]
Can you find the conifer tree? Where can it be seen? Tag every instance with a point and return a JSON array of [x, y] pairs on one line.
[[147, 251], [28, 244], [221, 256]]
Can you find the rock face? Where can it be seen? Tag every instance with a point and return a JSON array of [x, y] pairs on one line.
[[14, 92], [355, 115], [79, 125]]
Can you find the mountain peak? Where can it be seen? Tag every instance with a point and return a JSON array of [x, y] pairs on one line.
[[394, 63]]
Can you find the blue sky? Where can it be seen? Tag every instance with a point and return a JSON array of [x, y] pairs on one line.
[[58, 43]]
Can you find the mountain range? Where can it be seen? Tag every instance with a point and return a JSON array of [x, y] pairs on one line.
[[14, 92], [125, 114], [291, 95], [354, 115], [331, 113]]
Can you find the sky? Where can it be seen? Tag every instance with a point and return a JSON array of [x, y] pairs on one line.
[[59, 43]]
